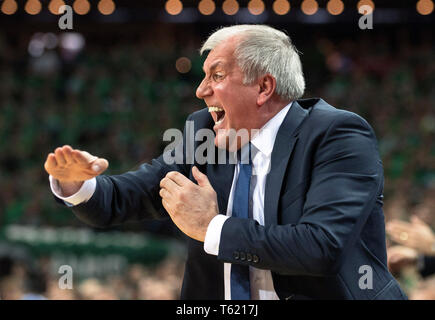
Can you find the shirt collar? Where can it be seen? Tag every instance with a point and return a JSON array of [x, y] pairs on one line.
[[265, 139]]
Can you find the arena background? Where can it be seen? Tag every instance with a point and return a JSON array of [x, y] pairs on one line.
[[128, 70]]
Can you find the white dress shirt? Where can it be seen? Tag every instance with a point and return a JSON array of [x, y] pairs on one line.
[[260, 280]]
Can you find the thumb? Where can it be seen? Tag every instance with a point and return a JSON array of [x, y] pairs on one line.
[[100, 165], [416, 220], [200, 177]]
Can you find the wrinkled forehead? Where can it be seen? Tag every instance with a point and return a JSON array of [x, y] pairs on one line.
[[222, 55]]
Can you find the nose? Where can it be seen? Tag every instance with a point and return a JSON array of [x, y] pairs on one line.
[[203, 90]]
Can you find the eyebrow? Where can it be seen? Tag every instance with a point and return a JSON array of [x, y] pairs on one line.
[[214, 65]]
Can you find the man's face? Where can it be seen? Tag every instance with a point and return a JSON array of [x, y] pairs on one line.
[[233, 105]]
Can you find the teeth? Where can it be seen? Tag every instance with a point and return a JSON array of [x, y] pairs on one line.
[[220, 121], [215, 109]]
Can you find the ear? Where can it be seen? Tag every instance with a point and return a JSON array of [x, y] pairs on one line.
[[267, 86]]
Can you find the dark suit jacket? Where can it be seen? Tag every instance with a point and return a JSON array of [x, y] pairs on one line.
[[428, 266], [322, 208]]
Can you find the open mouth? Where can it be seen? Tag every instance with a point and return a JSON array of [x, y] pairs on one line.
[[219, 112]]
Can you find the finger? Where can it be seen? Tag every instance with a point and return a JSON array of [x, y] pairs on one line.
[[393, 251], [89, 157], [394, 259], [59, 157], [398, 228], [67, 153], [165, 194], [167, 206], [201, 178], [406, 237], [394, 234], [51, 162], [78, 157], [83, 157], [399, 223], [417, 221], [399, 236], [413, 243], [408, 242], [100, 165], [169, 185], [178, 178]]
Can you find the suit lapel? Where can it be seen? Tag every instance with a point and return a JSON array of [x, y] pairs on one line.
[[285, 141]]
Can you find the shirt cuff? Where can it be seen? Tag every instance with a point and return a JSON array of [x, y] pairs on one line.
[[213, 234], [83, 195]]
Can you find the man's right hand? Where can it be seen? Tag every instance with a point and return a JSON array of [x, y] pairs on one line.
[[72, 167]]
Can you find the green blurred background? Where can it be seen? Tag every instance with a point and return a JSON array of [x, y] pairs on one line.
[[115, 83]]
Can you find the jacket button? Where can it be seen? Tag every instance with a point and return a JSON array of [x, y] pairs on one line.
[[236, 255], [255, 258], [242, 256], [248, 257]]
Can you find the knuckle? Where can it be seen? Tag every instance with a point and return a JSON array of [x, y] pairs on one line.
[[182, 196], [170, 174], [175, 175], [178, 206], [162, 182]]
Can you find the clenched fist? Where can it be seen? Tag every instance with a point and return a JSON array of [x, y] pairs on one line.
[[71, 167], [191, 206]]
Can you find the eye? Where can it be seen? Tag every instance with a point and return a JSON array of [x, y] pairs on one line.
[[217, 76]]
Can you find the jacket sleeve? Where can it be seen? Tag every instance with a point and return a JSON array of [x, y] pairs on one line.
[[346, 178], [132, 196], [428, 266]]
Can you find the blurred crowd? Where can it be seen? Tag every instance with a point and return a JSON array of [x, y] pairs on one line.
[[411, 250], [116, 98], [114, 101], [22, 280], [389, 79]]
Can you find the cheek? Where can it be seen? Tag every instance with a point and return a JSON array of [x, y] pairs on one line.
[[241, 108], [238, 101]]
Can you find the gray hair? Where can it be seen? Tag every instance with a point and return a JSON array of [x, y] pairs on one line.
[[263, 49]]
